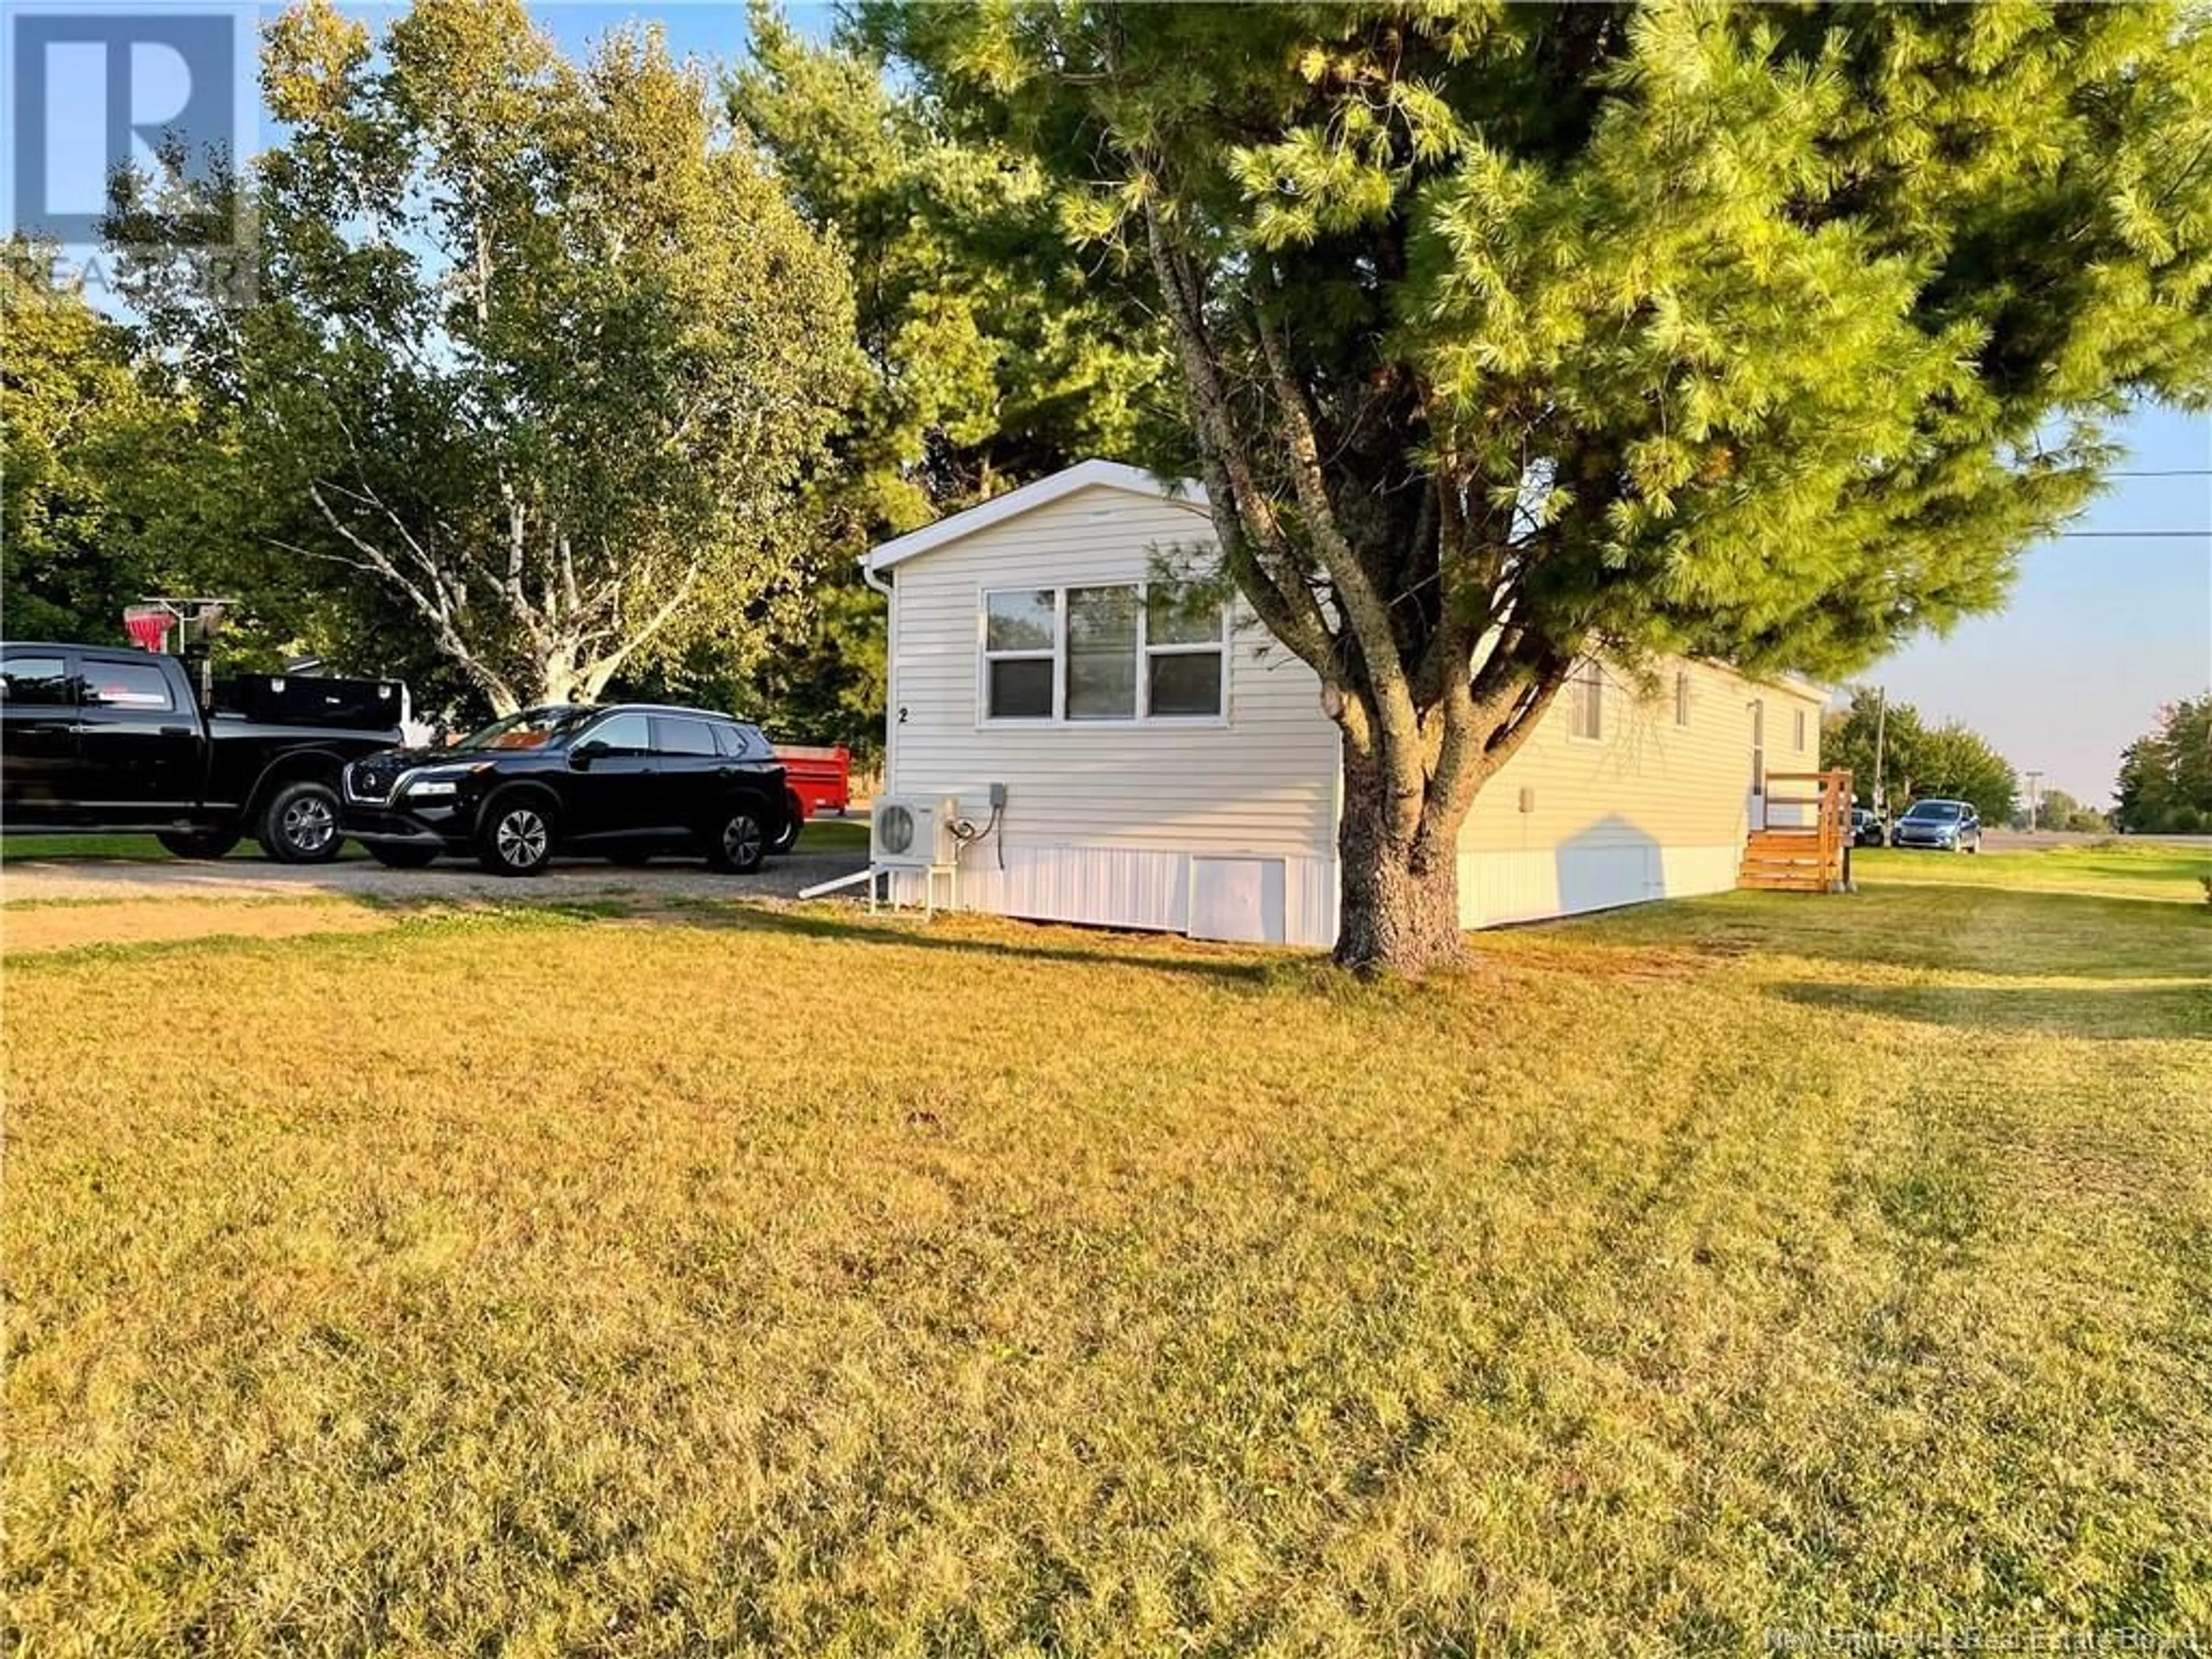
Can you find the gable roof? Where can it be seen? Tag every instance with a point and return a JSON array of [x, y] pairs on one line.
[[1084, 474]]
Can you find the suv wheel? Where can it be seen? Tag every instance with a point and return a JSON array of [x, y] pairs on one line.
[[196, 843], [514, 837], [740, 843], [301, 823]]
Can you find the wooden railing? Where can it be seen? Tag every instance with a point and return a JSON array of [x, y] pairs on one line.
[[1811, 854]]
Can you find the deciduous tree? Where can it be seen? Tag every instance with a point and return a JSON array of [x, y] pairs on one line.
[[1510, 334], [538, 347], [76, 422], [1957, 763]]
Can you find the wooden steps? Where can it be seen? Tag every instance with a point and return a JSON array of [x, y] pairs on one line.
[[1806, 852], [1787, 861]]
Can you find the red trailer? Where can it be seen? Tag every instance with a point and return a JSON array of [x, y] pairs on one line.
[[820, 779]]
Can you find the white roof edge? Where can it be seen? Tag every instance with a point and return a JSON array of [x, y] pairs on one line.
[[1084, 474]]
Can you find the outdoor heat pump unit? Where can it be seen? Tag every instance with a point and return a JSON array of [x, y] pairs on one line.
[[912, 833]]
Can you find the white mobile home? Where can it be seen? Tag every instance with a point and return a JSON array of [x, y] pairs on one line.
[[1163, 763]]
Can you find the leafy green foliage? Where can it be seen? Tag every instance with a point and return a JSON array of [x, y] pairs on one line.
[[1916, 760], [1959, 764], [1514, 333], [995, 355], [2166, 776], [76, 421], [534, 346], [2056, 808]]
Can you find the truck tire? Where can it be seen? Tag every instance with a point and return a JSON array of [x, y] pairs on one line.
[[739, 841], [514, 835], [400, 855], [301, 825], [197, 843]]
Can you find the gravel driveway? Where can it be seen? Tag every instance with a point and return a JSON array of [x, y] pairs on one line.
[[30, 879]]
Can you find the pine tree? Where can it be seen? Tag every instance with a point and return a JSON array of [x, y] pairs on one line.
[[1510, 334]]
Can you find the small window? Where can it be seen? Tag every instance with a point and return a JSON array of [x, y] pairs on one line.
[[1027, 621], [621, 734], [126, 685], [1801, 731], [1183, 651], [740, 742], [1681, 697], [1021, 635], [41, 682], [1102, 654], [672, 735], [1757, 747], [1586, 702]]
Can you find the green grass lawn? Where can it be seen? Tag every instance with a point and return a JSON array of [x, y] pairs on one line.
[[91, 847], [744, 1280], [2117, 869], [846, 834]]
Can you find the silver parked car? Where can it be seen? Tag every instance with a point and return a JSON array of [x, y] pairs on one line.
[[1948, 826]]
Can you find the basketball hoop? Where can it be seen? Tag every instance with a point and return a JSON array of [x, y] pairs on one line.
[[148, 625]]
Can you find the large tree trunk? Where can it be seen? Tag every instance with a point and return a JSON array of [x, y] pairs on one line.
[[1400, 893]]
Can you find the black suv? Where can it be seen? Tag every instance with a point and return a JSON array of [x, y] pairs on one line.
[[623, 782]]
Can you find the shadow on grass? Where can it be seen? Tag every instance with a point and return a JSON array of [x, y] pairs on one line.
[[1114, 949], [2104, 1013]]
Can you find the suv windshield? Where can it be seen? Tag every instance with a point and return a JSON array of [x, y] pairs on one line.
[[533, 728], [1943, 811]]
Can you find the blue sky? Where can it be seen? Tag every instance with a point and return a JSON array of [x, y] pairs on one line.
[[2101, 628]]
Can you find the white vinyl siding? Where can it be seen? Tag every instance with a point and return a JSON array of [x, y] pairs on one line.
[[1226, 826], [1257, 777], [1655, 808]]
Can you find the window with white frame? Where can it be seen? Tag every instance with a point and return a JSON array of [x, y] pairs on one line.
[[1801, 731], [1682, 696], [1127, 651], [1186, 662], [1021, 641], [1586, 702]]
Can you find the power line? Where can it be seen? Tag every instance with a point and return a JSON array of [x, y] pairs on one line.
[[2135, 535], [2163, 472]]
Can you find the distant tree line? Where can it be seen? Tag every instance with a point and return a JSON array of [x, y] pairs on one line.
[[2055, 809], [1916, 760]]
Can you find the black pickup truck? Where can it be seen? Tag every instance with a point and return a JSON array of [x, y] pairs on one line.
[[105, 738]]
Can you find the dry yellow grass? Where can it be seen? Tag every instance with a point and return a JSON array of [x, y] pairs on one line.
[[751, 1282], [26, 929]]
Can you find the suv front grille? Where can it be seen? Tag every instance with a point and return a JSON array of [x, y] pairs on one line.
[[373, 778]]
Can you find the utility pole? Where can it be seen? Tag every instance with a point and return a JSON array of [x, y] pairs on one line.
[[1880, 727], [2035, 793]]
